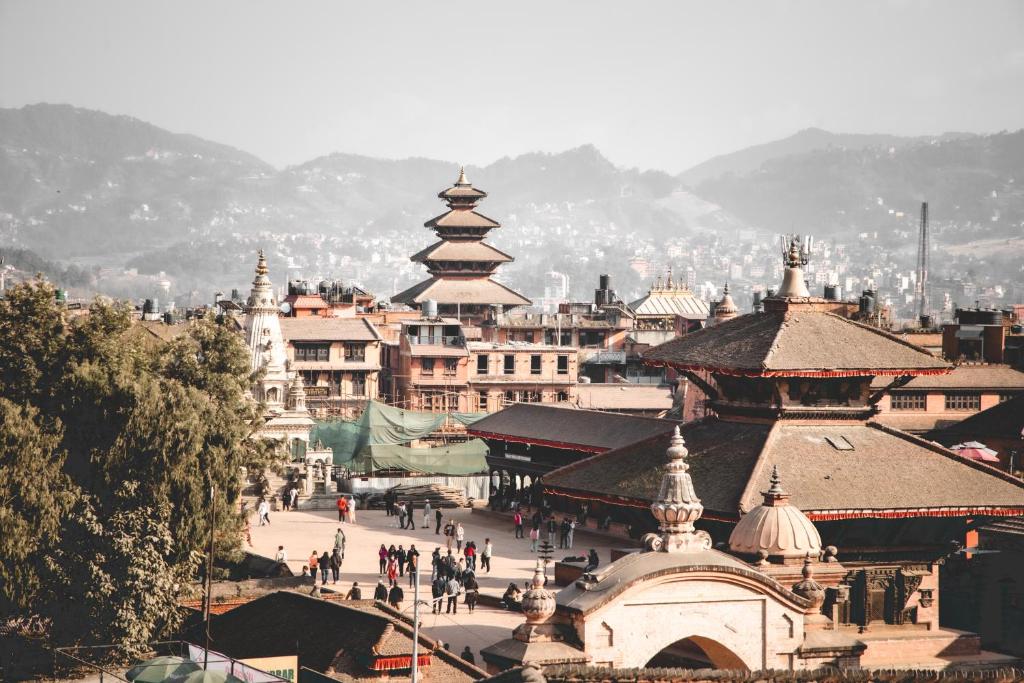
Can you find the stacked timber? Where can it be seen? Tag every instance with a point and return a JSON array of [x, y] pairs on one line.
[[438, 495]]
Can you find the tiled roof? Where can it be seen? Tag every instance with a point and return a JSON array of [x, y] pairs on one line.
[[1005, 420], [328, 329], [722, 456], [306, 301], [682, 303], [970, 377], [461, 219], [589, 430], [876, 472], [332, 636], [794, 342], [623, 397], [461, 250], [451, 291]]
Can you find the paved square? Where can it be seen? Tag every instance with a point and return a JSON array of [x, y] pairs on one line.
[[302, 532]]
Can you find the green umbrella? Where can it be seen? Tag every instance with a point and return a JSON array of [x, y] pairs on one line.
[[161, 669], [207, 676]]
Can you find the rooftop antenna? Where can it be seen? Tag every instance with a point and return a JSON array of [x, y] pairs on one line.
[[921, 286]]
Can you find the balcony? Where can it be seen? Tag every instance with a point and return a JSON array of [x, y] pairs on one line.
[[453, 340]]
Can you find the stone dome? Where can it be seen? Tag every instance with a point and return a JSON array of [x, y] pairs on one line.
[[776, 528]]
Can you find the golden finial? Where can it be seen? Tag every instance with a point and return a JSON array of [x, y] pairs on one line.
[[462, 177]]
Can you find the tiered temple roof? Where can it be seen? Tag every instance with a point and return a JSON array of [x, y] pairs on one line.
[[790, 388], [461, 263]]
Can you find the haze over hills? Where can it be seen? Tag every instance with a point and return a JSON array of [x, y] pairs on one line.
[[91, 188], [749, 159]]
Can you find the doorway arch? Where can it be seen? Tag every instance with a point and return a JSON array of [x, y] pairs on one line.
[[697, 652]]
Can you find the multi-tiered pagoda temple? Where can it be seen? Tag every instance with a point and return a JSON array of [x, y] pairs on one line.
[[461, 264], [790, 390]]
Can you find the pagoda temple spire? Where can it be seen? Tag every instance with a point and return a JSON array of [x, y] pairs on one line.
[[677, 506], [794, 258]]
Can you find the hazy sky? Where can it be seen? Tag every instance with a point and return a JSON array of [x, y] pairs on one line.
[[652, 84]]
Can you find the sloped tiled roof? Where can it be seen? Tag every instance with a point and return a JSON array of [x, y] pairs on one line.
[[588, 430], [876, 472], [465, 291], [722, 456], [327, 329], [970, 377], [333, 637], [794, 342], [459, 218], [671, 302], [1004, 420], [461, 250]]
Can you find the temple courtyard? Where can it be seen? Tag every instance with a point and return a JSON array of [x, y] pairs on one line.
[[302, 532]]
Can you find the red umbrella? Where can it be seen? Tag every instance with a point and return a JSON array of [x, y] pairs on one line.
[[976, 451]]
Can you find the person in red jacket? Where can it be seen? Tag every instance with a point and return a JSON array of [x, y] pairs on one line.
[[342, 508]]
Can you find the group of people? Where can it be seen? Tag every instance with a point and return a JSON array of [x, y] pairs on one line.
[[451, 578], [406, 513], [397, 562], [327, 563], [564, 530], [346, 510]]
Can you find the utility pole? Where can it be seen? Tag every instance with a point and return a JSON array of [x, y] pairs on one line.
[[414, 674], [209, 573]]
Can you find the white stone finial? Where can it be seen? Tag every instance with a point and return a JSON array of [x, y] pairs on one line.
[[678, 506]]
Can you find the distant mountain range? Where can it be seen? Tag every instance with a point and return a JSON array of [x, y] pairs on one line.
[[84, 186]]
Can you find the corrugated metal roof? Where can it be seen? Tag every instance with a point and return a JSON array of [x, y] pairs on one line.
[[682, 303]]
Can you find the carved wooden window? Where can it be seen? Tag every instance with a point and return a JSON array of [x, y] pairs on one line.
[[962, 400], [915, 400]]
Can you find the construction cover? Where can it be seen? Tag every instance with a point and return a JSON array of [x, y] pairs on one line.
[[379, 425], [453, 460]]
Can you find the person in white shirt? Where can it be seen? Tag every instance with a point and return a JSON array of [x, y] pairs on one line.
[[281, 556], [426, 515], [460, 535], [263, 510]]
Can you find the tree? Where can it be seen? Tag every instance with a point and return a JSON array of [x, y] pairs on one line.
[[133, 442]]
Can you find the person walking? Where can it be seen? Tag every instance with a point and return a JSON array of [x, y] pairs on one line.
[[470, 553], [472, 589], [517, 520], [281, 556], [460, 534], [569, 533], [389, 503], [452, 589], [413, 565], [437, 520], [339, 542], [426, 514], [263, 510], [563, 533], [410, 516], [395, 597], [435, 563], [552, 529], [400, 557], [293, 496], [382, 554], [449, 534], [381, 591], [342, 504], [325, 567], [437, 587], [392, 570], [534, 537], [285, 502], [314, 560], [335, 564], [355, 592], [401, 515], [485, 555]]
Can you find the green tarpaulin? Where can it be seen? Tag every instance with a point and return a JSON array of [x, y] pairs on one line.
[[468, 418], [453, 459], [379, 425]]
